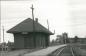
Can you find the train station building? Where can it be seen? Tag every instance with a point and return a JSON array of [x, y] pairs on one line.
[[27, 35]]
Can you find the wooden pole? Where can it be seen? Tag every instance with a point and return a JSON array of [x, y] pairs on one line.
[[3, 41], [0, 35], [3, 38], [33, 25], [48, 36], [48, 24], [54, 31], [32, 12], [3, 34]]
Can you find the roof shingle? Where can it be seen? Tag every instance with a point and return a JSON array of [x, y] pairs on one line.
[[27, 26]]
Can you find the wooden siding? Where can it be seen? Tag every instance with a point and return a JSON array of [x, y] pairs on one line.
[[18, 41], [39, 40], [29, 41], [42, 40]]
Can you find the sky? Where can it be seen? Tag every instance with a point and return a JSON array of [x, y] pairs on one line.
[[63, 16]]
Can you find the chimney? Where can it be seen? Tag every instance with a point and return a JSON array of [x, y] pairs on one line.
[[36, 19]]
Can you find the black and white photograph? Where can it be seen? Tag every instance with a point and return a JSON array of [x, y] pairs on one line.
[[42, 27]]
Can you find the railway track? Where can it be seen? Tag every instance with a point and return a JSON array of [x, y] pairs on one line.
[[65, 51]]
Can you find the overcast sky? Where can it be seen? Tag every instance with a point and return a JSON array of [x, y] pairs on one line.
[[63, 15]]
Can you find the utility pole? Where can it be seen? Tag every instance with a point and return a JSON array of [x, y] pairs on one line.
[[33, 18], [32, 12], [3, 34], [0, 35], [48, 24], [33, 25], [3, 42], [48, 30], [54, 31]]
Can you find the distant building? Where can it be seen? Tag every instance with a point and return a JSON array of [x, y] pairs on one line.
[[63, 39], [25, 36], [80, 40], [60, 39]]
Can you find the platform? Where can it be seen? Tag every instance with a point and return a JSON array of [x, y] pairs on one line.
[[44, 52]]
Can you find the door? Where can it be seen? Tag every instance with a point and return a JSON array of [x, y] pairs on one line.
[[28, 42]]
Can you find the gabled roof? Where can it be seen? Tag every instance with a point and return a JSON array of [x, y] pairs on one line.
[[27, 26]]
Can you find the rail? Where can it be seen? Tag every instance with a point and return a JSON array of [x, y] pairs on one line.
[[65, 51], [72, 51]]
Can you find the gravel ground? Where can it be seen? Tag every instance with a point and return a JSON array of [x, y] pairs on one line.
[[80, 49], [82, 52], [13, 53], [17, 52]]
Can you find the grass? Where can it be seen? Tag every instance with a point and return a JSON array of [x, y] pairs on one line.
[[80, 49]]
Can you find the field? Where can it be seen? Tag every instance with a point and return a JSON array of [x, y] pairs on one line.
[[81, 49]]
